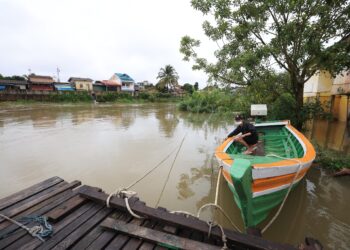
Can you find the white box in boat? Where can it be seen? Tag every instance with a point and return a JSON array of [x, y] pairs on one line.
[[258, 110]]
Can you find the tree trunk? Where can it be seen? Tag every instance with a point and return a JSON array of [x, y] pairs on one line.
[[299, 106], [298, 89]]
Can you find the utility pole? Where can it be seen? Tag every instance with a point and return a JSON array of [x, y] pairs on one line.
[[58, 74]]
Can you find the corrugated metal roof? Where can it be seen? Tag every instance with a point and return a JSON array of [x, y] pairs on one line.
[[124, 77], [40, 79], [74, 79], [64, 87]]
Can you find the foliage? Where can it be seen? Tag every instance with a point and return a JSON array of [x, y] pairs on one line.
[[195, 86], [168, 78], [210, 102], [188, 88], [331, 159], [255, 37], [70, 97], [14, 77]]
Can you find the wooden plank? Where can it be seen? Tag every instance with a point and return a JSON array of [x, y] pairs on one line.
[[43, 207], [134, 243], [40, 209], [146, 245], [155, 236], [120, 240], [106, 237], [42, 198], [65, 208], [28, 242], [94, 234], [15, 207], [32, 190], [64, 227], [84, 228], [260, 151], [237, 238]]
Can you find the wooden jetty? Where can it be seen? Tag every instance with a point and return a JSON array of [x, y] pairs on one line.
[[80, 220]]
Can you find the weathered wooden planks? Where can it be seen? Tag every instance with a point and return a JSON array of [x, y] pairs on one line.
[[191, 223], [21, 195], [167, 240], [28, 204], [65, 208], [76, 216]]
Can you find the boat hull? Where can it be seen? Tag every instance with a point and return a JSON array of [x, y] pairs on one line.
[[260, 184]]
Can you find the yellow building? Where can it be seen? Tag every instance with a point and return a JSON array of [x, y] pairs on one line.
[[332, 92], [81, 84]]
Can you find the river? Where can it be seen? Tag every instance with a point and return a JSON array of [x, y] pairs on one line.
[[111, 145]]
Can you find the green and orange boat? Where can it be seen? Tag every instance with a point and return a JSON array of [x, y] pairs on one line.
[[261, 181]]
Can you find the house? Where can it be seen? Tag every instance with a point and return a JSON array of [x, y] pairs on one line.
[[63, 86], [81, 84], [127, 83], [107, 85], [331, 91], [41, 83], [144, 84], [13, 84]]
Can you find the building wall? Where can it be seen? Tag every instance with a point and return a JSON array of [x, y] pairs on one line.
[[330, 90], [83, 85], [321, 82], [128, 86], [42, 87]]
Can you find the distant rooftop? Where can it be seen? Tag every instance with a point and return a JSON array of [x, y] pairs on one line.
[[124, 77], [40, 79], [74, 79]]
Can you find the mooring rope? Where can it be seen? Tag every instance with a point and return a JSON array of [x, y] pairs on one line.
[[211, 224], [126, 194], [287, 194], [170, 170], [119, 190], [41, 231]]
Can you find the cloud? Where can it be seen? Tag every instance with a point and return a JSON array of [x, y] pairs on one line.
[[97, 38]]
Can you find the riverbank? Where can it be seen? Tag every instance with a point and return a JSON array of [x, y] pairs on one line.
[[85, 97], [332, 160]]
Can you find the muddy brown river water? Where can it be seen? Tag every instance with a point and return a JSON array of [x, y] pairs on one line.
[[111, 145]]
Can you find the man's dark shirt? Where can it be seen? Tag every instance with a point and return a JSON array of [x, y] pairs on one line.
[[246, 128]]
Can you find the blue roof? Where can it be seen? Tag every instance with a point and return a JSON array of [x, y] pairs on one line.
[[124, 77], [64, 87], [2, 87]]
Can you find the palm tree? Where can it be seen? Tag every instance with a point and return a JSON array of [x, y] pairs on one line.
[[167, 77]]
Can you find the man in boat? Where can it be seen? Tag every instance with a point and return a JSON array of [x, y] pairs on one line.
[[245, 133]]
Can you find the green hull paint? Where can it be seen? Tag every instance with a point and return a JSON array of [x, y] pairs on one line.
[[260, 206], [278, 141]]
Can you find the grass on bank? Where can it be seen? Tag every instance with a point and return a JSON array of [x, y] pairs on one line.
[[85, 97], [331, 159]]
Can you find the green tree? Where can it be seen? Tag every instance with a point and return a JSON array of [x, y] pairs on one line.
[[188, 88], [255, 38], [195, 86], [168, 78]]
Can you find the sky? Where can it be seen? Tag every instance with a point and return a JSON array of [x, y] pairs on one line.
[[96, 38]]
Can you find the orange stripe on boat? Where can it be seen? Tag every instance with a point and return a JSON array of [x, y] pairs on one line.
[[274, 182]]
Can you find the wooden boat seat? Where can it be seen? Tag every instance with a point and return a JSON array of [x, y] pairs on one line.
[[260, 151]]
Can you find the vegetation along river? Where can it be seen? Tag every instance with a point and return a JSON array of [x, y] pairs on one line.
[[111, 145]]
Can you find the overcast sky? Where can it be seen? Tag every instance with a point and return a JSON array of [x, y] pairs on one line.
[[96, 38]]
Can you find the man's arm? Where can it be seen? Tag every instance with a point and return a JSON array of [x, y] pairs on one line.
[[234, 132]]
